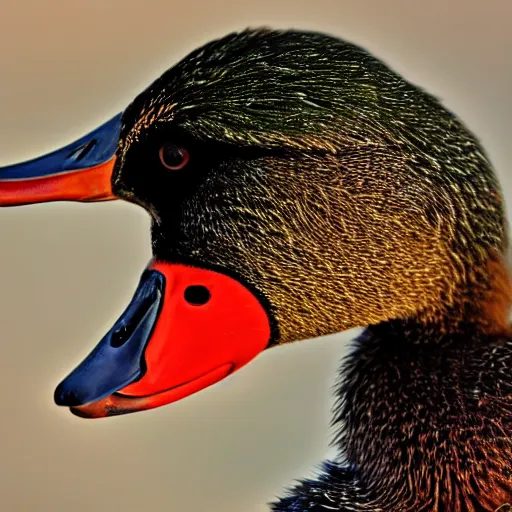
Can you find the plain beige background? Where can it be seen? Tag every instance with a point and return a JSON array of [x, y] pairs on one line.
[[67, 270]]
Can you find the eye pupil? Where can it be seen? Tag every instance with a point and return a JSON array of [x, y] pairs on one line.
[[173, 157], [197, 295]]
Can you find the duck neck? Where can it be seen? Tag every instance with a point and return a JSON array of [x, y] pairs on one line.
[[425, 405], [478, 302]]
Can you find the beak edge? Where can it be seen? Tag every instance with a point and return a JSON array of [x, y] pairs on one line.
[[85, 185]]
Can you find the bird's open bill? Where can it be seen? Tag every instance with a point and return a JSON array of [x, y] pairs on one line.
[[185, 329], [80, 171]]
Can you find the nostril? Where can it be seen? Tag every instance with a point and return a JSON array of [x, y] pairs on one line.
[[81, 152], [132, 318], [120, 337]]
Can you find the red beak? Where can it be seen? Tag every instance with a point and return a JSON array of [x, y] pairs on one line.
[[80, 171], [185, 329]]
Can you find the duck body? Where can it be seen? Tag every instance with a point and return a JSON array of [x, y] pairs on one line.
[[299, 187]]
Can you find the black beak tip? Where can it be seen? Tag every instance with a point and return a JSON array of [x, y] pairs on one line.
[[65, 396], [117, 361]]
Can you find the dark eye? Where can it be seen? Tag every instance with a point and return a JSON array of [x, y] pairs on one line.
[[173, 157], [197, 295]]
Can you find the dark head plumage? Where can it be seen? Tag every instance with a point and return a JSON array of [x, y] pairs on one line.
[[297, 138]]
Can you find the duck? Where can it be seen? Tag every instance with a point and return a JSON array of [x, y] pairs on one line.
[[297, 187]]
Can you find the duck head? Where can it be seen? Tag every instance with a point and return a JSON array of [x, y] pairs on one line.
[[297, 187]]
